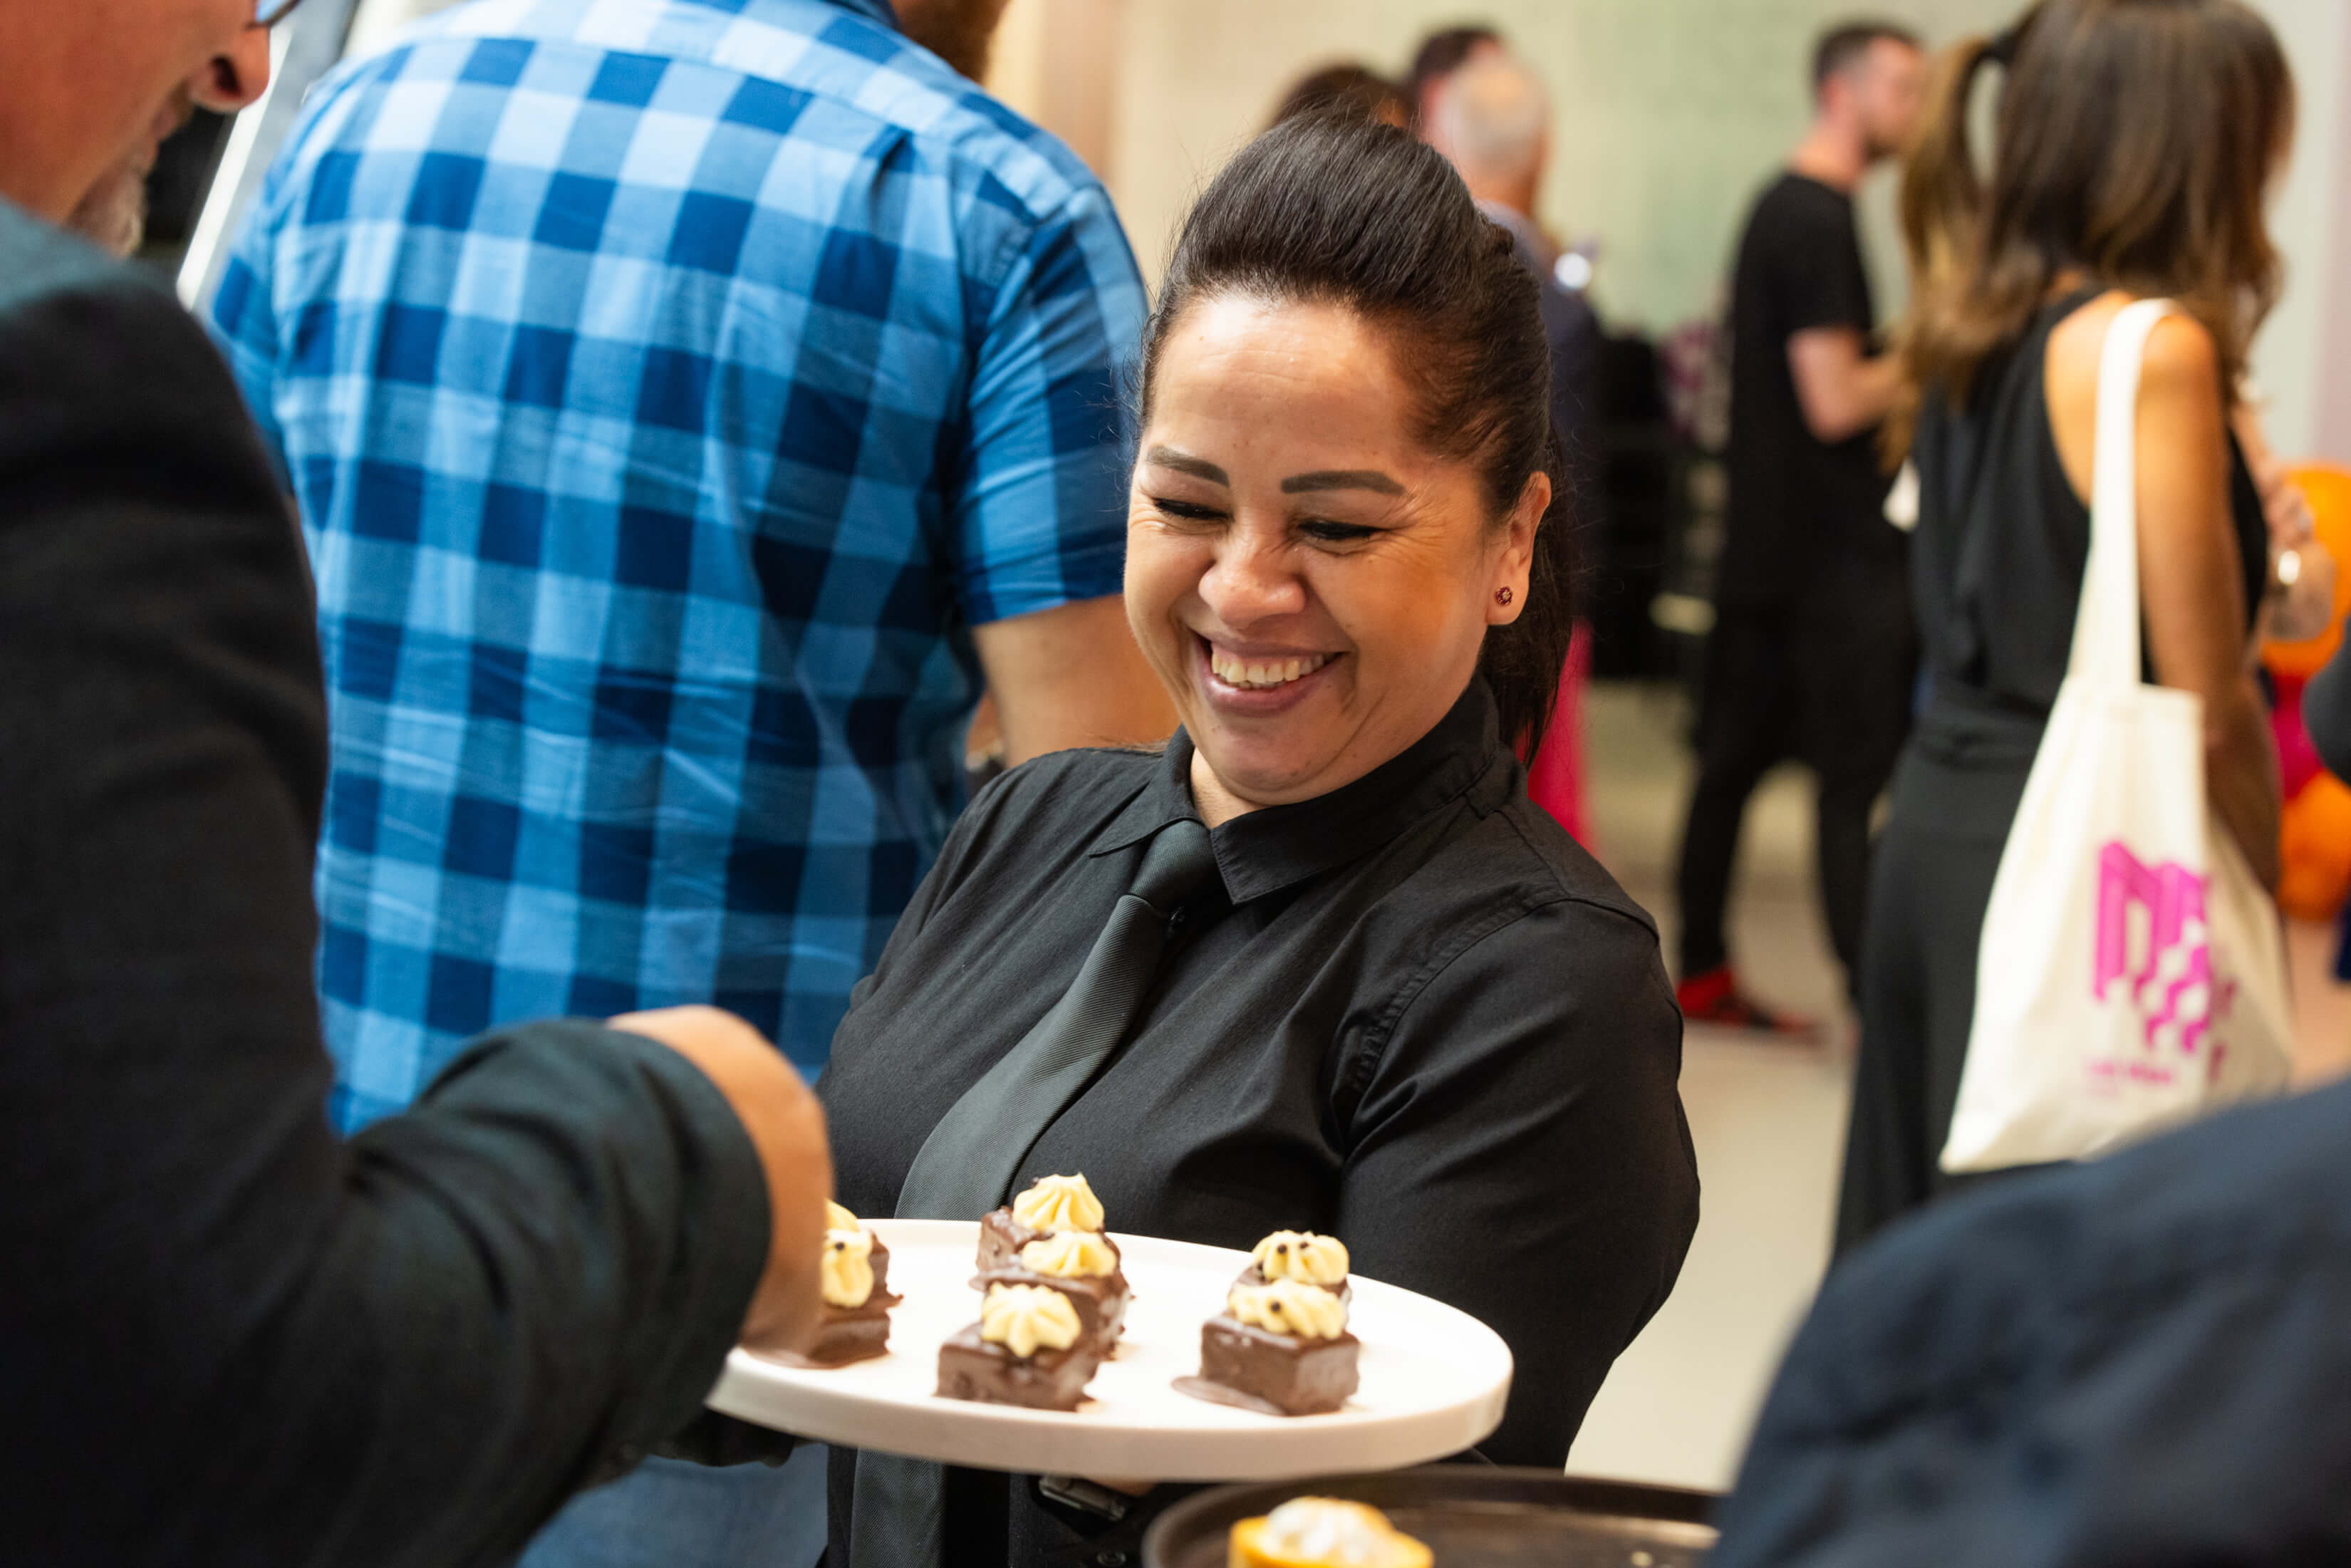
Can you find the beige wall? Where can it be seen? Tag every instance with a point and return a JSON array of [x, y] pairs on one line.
[[1670, 113], [2302, 362]]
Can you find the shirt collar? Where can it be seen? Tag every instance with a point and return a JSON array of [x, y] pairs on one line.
[[1269, 850]]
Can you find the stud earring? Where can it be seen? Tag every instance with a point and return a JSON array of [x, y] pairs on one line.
[[1503, 596]]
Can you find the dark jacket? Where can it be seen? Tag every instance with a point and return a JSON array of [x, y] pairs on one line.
[[2134, 1363], [228, 1336]]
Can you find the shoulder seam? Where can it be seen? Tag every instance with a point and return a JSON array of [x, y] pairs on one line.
[[1355, 1074]]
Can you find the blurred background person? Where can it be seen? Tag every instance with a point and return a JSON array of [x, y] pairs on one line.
[[1493, 123], [1813, 648], [239, 1338], [1346, 85], [665, 534], [2138, 145], [1439, 54]]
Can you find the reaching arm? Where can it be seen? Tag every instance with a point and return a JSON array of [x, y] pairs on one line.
[[1040, 508], [1072, 676], [1843, 390], [256, 1343]]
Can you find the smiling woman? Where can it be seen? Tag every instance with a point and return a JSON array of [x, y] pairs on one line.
[[1343, 507], [1320, 963]]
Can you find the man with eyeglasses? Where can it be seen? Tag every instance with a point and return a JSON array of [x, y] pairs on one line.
[[231, 1337], [112, 214]]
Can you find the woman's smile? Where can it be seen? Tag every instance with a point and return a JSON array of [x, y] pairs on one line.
[[1247, 681]]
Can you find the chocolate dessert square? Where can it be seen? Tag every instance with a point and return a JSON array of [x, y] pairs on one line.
[[848, 1335], [1100, 1301], [1280, 1375], [973, 1368], [1001, 1237]]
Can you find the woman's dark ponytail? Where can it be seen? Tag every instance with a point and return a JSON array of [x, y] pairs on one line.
[[1341, 209]]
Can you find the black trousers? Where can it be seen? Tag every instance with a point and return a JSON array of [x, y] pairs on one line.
[[1931, 885], [1827, 679]]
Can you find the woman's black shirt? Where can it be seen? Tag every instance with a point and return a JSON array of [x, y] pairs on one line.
[[1427, 1023]]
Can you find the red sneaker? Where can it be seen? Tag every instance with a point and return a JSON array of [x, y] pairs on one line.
[[1715, 998]]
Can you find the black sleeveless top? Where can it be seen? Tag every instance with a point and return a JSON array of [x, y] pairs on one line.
[[2001, 545]]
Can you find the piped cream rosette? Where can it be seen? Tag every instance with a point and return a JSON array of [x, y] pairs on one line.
[[1302, 1256], [1289, 1307], [1025, 1319], [1060, 1203], [1071, 1255], [846, 1273]]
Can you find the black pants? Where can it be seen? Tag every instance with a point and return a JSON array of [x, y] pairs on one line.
[[1932, 885], [1828, 680]]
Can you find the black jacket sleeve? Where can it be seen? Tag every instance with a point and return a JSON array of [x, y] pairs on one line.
[[231, 1337], [2138, 1360]]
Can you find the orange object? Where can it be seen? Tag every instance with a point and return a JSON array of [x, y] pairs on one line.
[[2329, 491], [2315, 839]]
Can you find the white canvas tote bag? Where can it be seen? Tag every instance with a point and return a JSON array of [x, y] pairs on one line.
[[2132, 974]]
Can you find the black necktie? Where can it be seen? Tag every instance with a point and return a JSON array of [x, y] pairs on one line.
[[967, 1166], [968, 1163]]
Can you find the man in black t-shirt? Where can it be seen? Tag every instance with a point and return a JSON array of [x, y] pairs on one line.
[[1813, 650]]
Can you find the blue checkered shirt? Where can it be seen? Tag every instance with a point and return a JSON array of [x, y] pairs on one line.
[[669, 386]]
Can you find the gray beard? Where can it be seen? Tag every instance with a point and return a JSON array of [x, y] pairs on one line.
[[113, 217]]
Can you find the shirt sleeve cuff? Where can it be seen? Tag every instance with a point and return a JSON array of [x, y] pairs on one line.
[[688, 1229]]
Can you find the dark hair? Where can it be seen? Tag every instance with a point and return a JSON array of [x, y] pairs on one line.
[[1346, 88], [1844, 46], [1440, 55], [1341, 210], [2136, 143]]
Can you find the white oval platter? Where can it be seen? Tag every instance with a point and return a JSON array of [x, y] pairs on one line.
[[1435, 1380]]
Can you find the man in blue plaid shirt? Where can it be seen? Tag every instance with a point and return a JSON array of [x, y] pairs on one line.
[[691, 404]]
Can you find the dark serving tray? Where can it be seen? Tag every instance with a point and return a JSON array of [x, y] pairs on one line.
[[1471, 1516]]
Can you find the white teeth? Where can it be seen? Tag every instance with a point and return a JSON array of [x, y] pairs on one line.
[[1257, 674]]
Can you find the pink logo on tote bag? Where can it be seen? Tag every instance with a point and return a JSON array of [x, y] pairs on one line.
[[2151, 937]]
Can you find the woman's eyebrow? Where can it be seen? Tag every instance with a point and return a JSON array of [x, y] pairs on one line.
[[1183, 463], [1341, 479]]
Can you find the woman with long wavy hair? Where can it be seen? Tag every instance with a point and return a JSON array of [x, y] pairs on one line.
[[2137, 143]]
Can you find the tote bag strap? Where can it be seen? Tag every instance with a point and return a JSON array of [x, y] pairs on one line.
[[2107, 625]]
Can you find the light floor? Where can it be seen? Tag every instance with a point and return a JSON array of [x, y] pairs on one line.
[[1768, 1118]]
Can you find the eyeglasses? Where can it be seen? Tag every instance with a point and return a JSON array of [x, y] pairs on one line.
[[269, 12]]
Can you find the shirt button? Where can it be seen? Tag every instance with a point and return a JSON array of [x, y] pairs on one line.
[[1111, 1559]]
